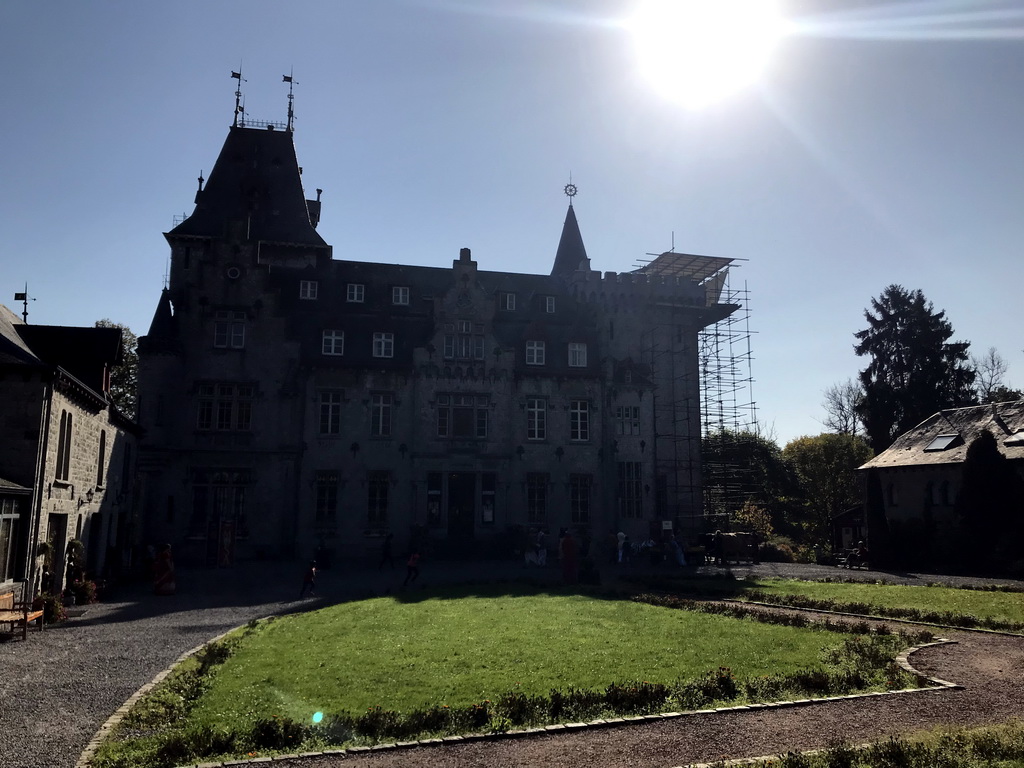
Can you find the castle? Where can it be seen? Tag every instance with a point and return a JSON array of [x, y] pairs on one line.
[[294, 403]]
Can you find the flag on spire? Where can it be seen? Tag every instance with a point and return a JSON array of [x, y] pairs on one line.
[[287, 78]]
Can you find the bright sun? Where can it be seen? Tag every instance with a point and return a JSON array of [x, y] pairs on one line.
[[700, 51]]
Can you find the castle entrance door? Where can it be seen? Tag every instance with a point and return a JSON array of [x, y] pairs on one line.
[[461, 495]]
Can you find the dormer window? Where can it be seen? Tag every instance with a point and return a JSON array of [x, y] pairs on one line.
[[508, 302], [355, 293], [308, 290], [400, 295], [549, 304]]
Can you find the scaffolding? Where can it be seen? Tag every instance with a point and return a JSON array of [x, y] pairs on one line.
[[728, 410], [704, 405]]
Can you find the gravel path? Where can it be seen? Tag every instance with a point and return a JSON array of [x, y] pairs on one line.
[[60, 686]]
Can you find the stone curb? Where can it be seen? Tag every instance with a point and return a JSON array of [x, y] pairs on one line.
[[903, 659]]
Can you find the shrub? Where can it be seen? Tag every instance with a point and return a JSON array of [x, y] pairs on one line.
[[631, 698], [52, 606], [276, 733], [84, 591], [776, 551]]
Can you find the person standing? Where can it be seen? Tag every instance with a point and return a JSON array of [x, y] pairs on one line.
[[412, 568], [309, 580]]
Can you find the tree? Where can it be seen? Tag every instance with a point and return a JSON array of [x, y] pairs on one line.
[[124, 376], [989, 370], [741, 467], [841, 401], [825, 469], [915, 370], [1003, 395]]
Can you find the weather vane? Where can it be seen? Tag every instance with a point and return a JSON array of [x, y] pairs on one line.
[[289, 78], [24, 298], [570, 189], [239, 109]]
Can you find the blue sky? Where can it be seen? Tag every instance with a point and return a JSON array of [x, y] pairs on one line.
[[882, 144]]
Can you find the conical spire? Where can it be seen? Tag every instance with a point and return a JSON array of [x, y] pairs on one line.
[[571, 255], [163, 335]]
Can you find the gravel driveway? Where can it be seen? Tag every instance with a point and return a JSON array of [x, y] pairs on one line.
[[60, 686]]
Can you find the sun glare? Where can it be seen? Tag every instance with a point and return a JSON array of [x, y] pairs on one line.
[[698, 52]]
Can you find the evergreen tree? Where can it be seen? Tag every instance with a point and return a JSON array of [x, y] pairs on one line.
[[915, 369]]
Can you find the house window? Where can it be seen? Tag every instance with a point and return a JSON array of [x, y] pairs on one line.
[[577, 354], [330, 412], [535, 353], [463, 416], [333, 343], [64, 446], [377, 484], [383, 344], [893, 494], [355, 292], [380, 414], [229, 330], [579, 420], [101, 460], [9, 516], [400, 295], [549, 304], [536, 497], [630, 489], [225, 407], [536, 418], [467, 344], [508, 302], [947, 496], [627, 420], [326, 498], [308, 289], [579, 498]]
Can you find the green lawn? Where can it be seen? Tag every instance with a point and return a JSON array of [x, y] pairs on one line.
[[1001, 606], [457, 649], [1006, 607]]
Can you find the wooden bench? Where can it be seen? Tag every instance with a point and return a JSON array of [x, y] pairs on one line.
[[14, 613]]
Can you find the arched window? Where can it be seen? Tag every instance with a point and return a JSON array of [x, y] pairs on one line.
[[64, 447]]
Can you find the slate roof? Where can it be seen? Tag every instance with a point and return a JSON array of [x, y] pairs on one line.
[[255, 180], [6, 486], [944, 437], [13, 349], [571, 255], [81, 351]]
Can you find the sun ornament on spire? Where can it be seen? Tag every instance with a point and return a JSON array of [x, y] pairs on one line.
[[570, 191]]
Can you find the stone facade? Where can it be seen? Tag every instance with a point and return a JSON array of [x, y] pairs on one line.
[[66, 448], [295, 403]]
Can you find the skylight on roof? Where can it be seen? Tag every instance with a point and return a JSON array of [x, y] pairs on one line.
[[1017, 438], [942, 442]]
